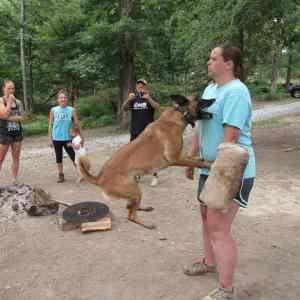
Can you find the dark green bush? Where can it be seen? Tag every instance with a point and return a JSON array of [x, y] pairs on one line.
[[36, 125], [94, 107], [260, 90], [161, 92]]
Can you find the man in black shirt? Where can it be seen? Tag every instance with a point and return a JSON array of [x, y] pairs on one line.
[[142, 107]]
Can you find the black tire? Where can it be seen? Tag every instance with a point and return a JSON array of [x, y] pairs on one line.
[[295, 93]]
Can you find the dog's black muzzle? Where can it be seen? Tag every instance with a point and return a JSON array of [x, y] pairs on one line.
[[203, 103], [200, 114], [189, 118], [181, 105]]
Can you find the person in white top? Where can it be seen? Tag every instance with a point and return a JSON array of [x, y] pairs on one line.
[[77, 145]]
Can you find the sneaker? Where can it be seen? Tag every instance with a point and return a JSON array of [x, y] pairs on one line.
[[79, 179], [61, 178], [199, 268], [15, 181], [221, 294], [154, 181], [137, 178]]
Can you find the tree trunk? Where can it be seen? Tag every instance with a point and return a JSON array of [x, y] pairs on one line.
[[289, 71], [22, 56], [274, 78], [30, 75], [127, 53], [241, 39], [74, 96]]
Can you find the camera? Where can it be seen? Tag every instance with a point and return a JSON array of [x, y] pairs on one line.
[[139, 95]]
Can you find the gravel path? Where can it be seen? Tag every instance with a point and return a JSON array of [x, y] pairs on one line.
[[114, 141], [275, 111]]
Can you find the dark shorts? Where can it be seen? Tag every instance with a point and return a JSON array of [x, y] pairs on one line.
[[242, 196], [10, 139], [58, 147]]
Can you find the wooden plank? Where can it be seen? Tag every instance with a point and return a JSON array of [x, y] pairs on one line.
[[101, 225]]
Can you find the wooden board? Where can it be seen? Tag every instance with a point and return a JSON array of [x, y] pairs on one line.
[[101, 225]]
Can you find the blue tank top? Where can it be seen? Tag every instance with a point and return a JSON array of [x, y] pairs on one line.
[[62, 122]]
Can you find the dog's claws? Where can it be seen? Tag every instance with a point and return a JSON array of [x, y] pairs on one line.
[[148, 208], [152, 226]]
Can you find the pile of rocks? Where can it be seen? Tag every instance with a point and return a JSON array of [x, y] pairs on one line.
[[19, 198]]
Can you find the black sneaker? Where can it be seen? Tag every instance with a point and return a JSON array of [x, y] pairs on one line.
[[61, 178]]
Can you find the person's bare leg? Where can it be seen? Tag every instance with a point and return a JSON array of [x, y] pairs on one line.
[[15, 153], [60, 168], [3, 152], [223, 244], [209, 258]]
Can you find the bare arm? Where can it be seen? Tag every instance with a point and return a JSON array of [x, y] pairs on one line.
[[194, 149], [5, 109], [231, 134], [21, 117], [77, 124], [50, 123], [152, 102], [16, 118], [127, 103]]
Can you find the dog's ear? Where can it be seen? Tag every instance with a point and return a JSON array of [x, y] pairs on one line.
[[180, 100], [203, 103]]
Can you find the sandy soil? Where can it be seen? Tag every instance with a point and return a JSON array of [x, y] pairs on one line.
[[39, 261]]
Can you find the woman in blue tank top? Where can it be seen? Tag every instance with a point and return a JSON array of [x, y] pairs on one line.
[[61, 119]]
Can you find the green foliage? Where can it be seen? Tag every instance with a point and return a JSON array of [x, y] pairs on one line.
[[104, 120], [76, 45], [37, 125], [96, 111], [260, 91]]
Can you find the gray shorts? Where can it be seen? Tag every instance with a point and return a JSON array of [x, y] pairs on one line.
[[241, 197]]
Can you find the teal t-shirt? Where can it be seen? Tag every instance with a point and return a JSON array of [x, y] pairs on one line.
[[232, 107], [62, 122]]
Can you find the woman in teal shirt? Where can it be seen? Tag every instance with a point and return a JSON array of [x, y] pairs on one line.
[[230, 122], [61, 119]]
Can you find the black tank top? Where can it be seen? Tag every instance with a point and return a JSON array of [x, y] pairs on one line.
[[10, 127]]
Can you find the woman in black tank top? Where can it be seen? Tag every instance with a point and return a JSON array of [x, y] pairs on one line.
[[11, 132]]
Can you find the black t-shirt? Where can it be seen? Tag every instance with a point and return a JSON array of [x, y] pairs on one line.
[[142, 113]]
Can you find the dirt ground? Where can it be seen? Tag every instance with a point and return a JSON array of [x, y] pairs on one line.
[[39, 261]]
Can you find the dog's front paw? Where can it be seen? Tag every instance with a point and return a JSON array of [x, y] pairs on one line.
[[147, 208], [152, 226]]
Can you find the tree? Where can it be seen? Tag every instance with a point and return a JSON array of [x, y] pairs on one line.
[[22, 55], [127, 55]]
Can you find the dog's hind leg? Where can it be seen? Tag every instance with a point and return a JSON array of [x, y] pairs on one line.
[[132, 214], [123, 188]]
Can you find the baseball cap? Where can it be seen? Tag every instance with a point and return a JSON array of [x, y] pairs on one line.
[[141, 80]]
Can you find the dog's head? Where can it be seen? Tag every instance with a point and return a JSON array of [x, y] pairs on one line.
[[192, 107]]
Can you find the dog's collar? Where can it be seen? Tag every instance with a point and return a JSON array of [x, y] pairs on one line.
[[187, 116], [180, 108]]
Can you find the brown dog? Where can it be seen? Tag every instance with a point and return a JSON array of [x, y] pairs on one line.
[[157, 147]]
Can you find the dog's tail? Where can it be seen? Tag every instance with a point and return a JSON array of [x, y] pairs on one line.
[[84, 165]]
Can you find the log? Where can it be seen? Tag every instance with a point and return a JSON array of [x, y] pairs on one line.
[[101, 225], [224, 180]]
